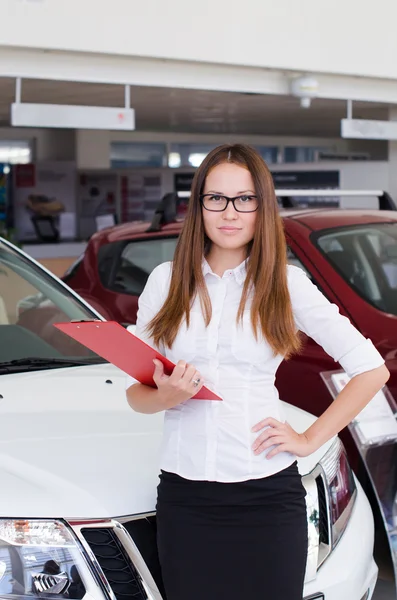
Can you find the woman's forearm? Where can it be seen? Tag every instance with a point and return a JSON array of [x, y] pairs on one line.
[[145, 399], [183, 383], [351, 400]]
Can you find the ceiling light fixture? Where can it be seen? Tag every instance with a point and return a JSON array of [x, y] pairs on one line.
[[305, 88]]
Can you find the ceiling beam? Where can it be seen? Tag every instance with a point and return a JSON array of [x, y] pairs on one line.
[[98, 68]]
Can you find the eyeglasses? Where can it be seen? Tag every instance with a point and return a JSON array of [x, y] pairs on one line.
[[217, 203]]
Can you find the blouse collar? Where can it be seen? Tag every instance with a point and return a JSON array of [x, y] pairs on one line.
[[239, 272]]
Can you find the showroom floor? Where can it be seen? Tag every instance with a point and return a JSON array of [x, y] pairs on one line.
[[385, 588]]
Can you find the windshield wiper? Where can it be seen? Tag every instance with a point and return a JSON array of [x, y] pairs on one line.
[[35, 363]]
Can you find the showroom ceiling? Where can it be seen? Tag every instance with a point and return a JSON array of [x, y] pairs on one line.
[[192, 111]]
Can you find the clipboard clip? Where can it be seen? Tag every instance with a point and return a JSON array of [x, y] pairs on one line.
[[86, 321]]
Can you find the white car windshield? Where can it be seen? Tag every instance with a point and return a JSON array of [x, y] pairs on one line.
[[31, 301]]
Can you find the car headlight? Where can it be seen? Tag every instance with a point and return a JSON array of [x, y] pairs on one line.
[[42, 557], [342, 489]]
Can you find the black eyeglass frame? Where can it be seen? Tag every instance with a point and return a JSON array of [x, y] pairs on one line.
[[228, 199]]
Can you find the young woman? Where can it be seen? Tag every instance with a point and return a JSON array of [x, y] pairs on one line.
[[231, 508]]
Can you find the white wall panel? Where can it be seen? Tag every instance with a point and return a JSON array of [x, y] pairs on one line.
[[310, 35]]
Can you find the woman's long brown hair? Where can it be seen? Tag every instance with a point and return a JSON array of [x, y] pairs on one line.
[[271, 310]]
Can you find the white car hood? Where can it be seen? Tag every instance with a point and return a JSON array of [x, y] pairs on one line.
[[71, 447]]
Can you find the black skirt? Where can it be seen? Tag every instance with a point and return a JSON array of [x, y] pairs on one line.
[[233, 541]]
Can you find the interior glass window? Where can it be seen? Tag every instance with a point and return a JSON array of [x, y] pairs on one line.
[[16, 151], [124, 155], [303, 154]]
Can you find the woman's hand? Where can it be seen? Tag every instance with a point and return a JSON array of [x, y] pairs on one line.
[[282, 436], [183, 383]]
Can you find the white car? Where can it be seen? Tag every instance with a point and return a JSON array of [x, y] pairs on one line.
[[79, 469]]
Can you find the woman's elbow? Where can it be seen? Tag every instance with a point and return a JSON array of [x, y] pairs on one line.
[[386, 373], [129, 393], [382, 374]]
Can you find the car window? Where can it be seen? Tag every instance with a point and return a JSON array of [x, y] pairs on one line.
[[292, 259], [125, 268], [135, 261], [31, 301], [366, 257]]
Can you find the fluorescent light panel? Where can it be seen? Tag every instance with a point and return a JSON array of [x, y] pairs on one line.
[[68, 116], [368, 129]]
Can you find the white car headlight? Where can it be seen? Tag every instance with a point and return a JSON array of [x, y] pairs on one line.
[[41, 557], [342, 489]]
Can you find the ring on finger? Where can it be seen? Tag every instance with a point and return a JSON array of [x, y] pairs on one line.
[[196, 381]]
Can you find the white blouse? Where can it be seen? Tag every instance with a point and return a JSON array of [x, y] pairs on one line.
[[212, 440]]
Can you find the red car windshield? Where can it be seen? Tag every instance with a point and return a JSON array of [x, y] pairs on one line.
[[366, 257]]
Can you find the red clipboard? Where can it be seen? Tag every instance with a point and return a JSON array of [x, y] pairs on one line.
[[123, 349]]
